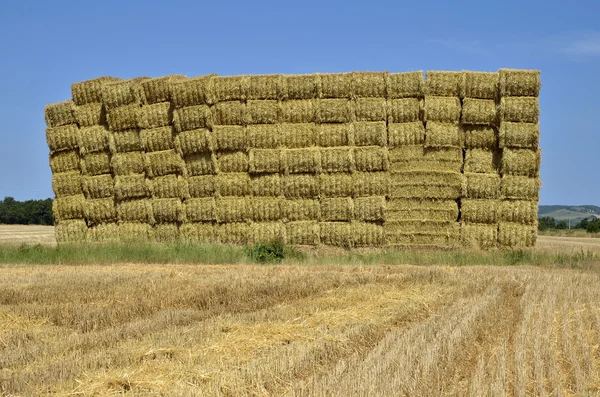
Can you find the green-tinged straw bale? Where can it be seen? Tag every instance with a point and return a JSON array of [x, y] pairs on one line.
[[518, 211], [192, 117], [90, 91], [405, 85], [302, 86], [92, 139], [369, 209], [67, 183], [194, 141], [336, 185], [198, 232], [232, 161], [267, 232], [58, 114], [443, 109], [62, 138], [69, 207], [479, 236], [168, 210], [265, 209], [404, 110], [265, 160], [520, 109], [443, 83], [139, 210], [233, 233], [370, 133], [429, 178], [266, 185], [337, 209], [369, 84], [368, 234], [98, 186], [233, 209], [303, 233], [480, 137], [124, 118], [418, 158], [371, 158], [334, 111], [482, 186], [169, 186], [519, 135], [481, 85], [479, 211], [370, 109], [401, 209], [301, 186], [300, 135], [201, 164], [230, 88], [134, 232], [267, 136], [262, 112], [520, 188], [481, 161], [339, 234], [444, 135], [233, 184], [516, 235], [298, 111], [191, 92], [479, 111], [103, 233], [522, 162], [163, 163], [229, 113], [300, 161], [125, 141], [165, 233], [370, 184], [404, 134], [266, 86], [158, 89], [229, 137], [300, 210], [441, 192], [65, 161], [122, 93], [201, 186], [100, 211], [131, 187], [156, 115], [127, 163], [70, 231], [519, 82], [158, 139], [90, 114], [335, 134], [335, 85], [450, 228]]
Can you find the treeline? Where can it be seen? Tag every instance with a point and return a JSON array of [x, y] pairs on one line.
[[549, 223], [30, 212]]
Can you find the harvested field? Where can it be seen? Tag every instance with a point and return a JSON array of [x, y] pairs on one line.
[[27, 234]]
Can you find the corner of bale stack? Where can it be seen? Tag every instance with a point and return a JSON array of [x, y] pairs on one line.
[[294, 210], [519, 109], [515, 82], [521, 162], [65, 161], [69, 207], [62, 138], [59, 114], [520, 187], [70, 231], [90, 91], [67, 183]]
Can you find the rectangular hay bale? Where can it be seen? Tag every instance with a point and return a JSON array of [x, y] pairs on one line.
[[339, 234], [482, 186], [127, 163], [480, 137], [402, 209], [265, 161], [59, 114], [192, 118], [98, 186], [90, 91], [201, 186], [336, 185], [481, 85], [369, 84], [302, 135], [191, 92], [444, 135], [337, 209], [229, 137], [479, 211], [165, 233], [169, 186], [67, 183], [301, 186], [233, 184], [131, 187], [96, 163], [369, 209], [266, 86], [479, 111], [370, 133], [302, 86], [301, 161], [70, 231], [125, 141], [266, 185], [519, 135], [156, 115], [163, 163], [335, 85], [335, 134], [303, 233], [520, 109], [334, 111], [158, 139], [193, 142], [123, 118], [370, 184], [405, 85], [200, 164], [229, 113], [516, 235], [92, 139], [65, 137], [232, 161], [264, 136], [371, 158], [442, 109], [300, 210], [403, 110], [198, 232], [404, 134], [520, 188], [69, 207], [518, 211], [103, 233], [230, 88], [135, 210], [122, 93], [521, 162], [158, 89], [367, 235], [168, 210], [98, 211], [443, 83], [515, 82], [267, 232], [265, 209], [233, 209], [233, 233], [90, 115], [134, 232], [370, 109], [481, 161], [479, 236], [298, 111], [262, 112]]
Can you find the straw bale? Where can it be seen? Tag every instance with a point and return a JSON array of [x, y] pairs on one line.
[[482, 186], [518, 211], [370, 133], [367, 234], [432, 227], [201, 164], [418, 158], [481, 85], [335, 134], [404, 110], [262, 112], [200, 232], [103, 233], [479, 236], [229, 113], [370, 184], [201, 186], [266, 86], [168, 210], [90, 114], [191, 92], [519, 135], [298, 111], [134, 232], [232, 161], [90, 91], [267, 232], [67, 183], [520, 188], [194, 141], [479, 211], [300, 135], [127, 163], [443, 109], [336, 185], [70, 231], [339, 234], [122, 93], [443, 83], [169, 186], [267, 136], [233, 209], [233, 233], [139, 210], [158, 89], [520, 109], [58, 114], [100, 211], [125, 141], [69, 207], [265, 160], [301, 186], [303, 233], [479, 111], [444, 135], [400, 209], [523, 162], [302, 86], [123, 118], [131, 186], [300, 161], [233, 184], [370, 109], [369, 209], [515, 82], [230, 88], [480, 137], [300, 210], [230, 137], [92, 139], [163, 163], [405, 85], [403, 134], [429, 178], [159, 139], [369, 84], [156, 115], [421, 241], [266, 185], [335, 85], [514, 235], [371, 158], [99, 186], [65, 161], [165, 233], [337, 209], [62, 138], [192, 117], [442, 192], [265, 209], [334, 111], [481, 161]]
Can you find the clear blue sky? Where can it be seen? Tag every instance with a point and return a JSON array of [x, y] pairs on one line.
[[45, 46]]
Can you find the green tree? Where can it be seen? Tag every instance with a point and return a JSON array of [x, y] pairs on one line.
[[562, 225], [594, 226], [30, 212], [546, 222], [583, 224]]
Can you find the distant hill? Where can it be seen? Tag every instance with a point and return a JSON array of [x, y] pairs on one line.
[[565, 212]]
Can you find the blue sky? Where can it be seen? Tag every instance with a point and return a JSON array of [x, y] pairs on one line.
[[46, 46]]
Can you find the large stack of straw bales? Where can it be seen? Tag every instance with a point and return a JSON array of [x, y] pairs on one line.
[[353, 159]]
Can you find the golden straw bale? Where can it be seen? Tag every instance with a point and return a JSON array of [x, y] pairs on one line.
[[65, 161], [370, 133], [403, 134], [404, 110], [518, 211], [370, 184], [405, 85], [230, 88], [194, 141], [169, 186], [301, 161], [444, 135], [370, 109], [123, 118], [163, 163], [371, 158], [103, 233], [335, 85], [191, 92], [520, 188], [480, 137], [168, 210], [303, 233], [400, 209], [90, 91], [125, 141], [479, 111], [422, 241], [58, 114], [443, 83], [233, 184], [521, 162], [134, 232], [232, 161], [233, 209], [265, 209], [441, 192], [262, 112], [201, 186], [64, 137], [158, 89], [267, 232], [265, 160], [92, 139], [300, 210], [300, 135], [443, 109], [158, 139], [201, 164], [230, 137], [266, 86], [367, 235], [418, 158], [138, 210], [165, 233], [198, 232], [482, 186], [156, 115], [369, 209], [481, 85], [229, 113], [67, 183], [428, 178], [90, 114], [369, 84], [336, 185], [515, 82], [520, 109], [298, 111], [337, 209], [98, 186], [70, 231], [334, 111], [479, 236], [302, 86], [69, 207], [267, 136], [339, 234], [481, 161], [335, 134], [127, 163], [431, 227], [122, 93], [191, 118], [131, 186], [516, 235], [266, 185], [301, 186], [479, 211], [233, 233], [100, 211], [519, 135]]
